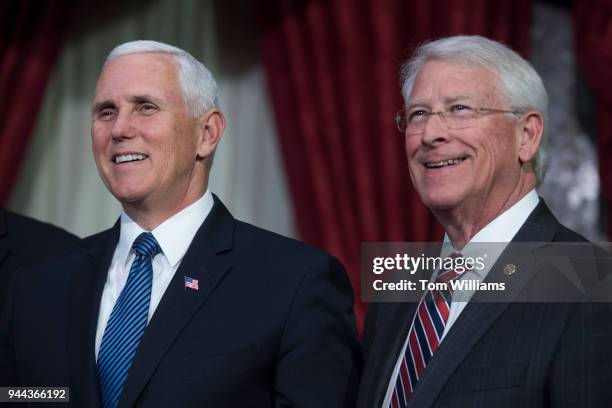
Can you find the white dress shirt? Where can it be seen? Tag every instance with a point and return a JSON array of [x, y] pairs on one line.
[[501, 230], [174, 237]]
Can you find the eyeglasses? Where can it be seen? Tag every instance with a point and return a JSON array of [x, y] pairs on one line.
[[455, 117]]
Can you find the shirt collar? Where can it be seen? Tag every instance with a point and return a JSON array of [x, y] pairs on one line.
[[173, 235], [501, 230], [505, 226]]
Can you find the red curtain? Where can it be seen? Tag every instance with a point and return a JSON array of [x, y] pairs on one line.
[[332, 69], [31, 35], [593, 32]]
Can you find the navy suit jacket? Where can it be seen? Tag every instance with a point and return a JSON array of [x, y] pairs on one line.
[[503, 354], [23, 241], [270, 326]]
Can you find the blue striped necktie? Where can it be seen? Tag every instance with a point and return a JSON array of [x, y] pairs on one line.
[[127, 322]]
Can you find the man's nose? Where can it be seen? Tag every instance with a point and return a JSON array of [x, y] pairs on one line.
[[122, 127], [435, 129]]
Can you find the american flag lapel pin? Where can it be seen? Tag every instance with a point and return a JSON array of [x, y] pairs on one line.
[[191, 283]]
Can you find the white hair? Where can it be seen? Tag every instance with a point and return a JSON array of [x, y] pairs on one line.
[[521, 86], [198, 86]]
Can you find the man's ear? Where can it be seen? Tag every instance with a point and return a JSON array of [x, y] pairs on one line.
[[532, 129], [212, 125]]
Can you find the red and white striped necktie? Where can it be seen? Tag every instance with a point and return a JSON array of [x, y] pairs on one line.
[[423, 338]]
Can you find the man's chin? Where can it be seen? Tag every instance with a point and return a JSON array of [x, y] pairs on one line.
[[441, 202], [129, 197]]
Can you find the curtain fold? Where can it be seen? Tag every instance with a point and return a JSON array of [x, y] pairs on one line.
[[332, 70], [593, 31], [30, 39]]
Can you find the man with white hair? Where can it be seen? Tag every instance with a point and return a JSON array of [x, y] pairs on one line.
[[178, 304], [473, 125]]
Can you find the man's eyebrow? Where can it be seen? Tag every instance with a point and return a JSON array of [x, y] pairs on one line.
[[448, 100], [417, 103], [143, 98], [452, 99], [100, 106]]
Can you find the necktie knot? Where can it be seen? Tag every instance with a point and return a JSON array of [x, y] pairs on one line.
[[146, 244], [450, 274]]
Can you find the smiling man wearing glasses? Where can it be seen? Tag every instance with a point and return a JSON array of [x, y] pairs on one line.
[[473, 126]]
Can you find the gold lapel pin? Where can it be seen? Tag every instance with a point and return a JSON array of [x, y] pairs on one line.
[[509, 269]]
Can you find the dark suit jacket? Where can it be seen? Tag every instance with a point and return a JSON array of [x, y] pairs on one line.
[[24, 241], [270, 326], [502, 354]]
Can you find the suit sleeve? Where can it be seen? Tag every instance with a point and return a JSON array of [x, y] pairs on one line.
[[582, 371], [319, 362], [8, 368], [369, 330]]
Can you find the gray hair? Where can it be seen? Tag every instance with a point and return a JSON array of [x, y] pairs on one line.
[[198, 86], [521, 86]]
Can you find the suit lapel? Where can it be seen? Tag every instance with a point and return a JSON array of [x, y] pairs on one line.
[[178, 304], [86, 285], [479, 315]]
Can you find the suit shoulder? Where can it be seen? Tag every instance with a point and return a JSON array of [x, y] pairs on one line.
[[32, 239], [94, 239], [82, 246], [86, 244], [22, 225], [565, 234], [267, 242]]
